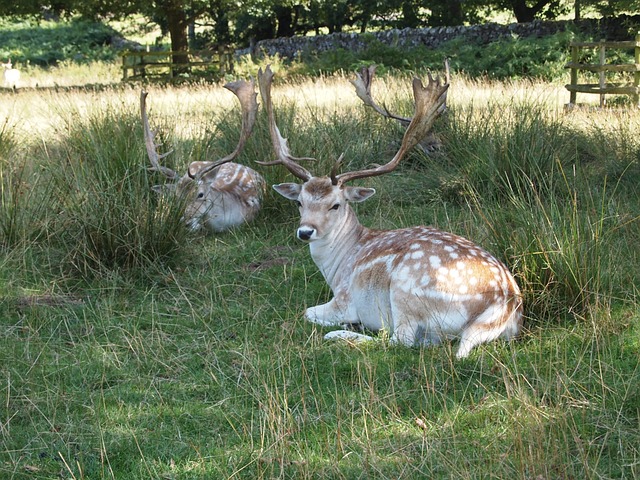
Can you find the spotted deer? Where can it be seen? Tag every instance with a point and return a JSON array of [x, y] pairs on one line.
[[11, 75], [420, 284], [218, 194]]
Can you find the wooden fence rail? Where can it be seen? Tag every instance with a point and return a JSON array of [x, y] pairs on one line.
[[138, 65], [603, 87]]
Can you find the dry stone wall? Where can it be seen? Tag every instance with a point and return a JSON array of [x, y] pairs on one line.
[[432, 37]]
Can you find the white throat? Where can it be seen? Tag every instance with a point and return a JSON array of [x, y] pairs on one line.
[[334, 253]]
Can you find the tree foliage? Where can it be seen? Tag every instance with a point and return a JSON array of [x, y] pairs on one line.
[[243, 21]]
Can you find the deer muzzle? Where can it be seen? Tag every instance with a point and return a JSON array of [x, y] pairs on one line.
[[306, 233]]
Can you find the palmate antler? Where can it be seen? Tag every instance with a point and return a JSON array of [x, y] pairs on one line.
[[430, 102], [245, 91], [363, 82]]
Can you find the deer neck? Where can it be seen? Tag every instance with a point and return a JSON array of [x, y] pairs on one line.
[[335, 253]]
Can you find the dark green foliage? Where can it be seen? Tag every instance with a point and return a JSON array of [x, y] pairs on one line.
[[47, 43], [513, 57]]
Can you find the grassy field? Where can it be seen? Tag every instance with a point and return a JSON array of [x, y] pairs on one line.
[[130, 349]]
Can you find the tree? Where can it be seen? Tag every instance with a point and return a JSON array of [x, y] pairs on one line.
[[610, 8], [173, 16]]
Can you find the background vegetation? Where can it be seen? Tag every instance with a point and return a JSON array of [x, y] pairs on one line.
[[132, 349]]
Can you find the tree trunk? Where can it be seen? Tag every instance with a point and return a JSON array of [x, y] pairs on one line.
[[220, 16], [456, 13], [409, 16], [525, 13], [284, 17], [177, 25]]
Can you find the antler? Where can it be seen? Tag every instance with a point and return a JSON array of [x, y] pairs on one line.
[[363, 81], [246, 93], [149, 140], [430, 103], [280, 144]]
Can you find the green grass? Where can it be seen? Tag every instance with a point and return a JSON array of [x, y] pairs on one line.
[[131, 350]]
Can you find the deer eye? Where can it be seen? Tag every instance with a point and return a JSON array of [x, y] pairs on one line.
[[299, 204], [335, 207], [200, 194]]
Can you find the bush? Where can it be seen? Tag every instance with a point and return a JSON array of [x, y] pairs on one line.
[[111, 218]]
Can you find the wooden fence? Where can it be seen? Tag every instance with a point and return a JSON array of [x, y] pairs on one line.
[[602, 68], [163, 65]]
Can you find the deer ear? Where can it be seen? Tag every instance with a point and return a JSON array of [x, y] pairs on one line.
[[196, 167], [289, 191], [358, 194]]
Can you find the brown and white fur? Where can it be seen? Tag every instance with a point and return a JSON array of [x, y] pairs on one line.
[[225, 197], [420, 284], [218, 194]]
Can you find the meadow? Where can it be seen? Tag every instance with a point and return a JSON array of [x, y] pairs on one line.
[[133, 349]]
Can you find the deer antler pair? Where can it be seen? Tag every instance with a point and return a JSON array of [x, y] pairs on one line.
[[245, 91], [430, 102]]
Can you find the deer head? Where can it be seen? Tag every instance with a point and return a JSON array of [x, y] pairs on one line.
[[421, 284], [218, 194]]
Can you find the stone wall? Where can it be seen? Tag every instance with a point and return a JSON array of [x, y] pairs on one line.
[[432, 37]]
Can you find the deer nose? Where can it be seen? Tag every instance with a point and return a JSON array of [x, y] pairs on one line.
[[305, 233]]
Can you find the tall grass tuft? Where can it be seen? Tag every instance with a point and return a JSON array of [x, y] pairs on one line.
[[24, 200], [500, 150], [111, 218], [539, 201]]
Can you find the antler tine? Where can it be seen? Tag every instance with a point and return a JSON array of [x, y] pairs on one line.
[[430, 102], [149, 140], [362, 82], [246, 93], [280, 144]]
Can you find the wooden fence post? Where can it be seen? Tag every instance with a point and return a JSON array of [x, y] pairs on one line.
[[575, 58], [630, 87], [636, 75], [602, 82]]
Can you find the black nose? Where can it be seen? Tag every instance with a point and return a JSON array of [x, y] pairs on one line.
[[305, 234]]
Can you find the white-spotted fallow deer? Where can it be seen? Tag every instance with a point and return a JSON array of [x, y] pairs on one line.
[[421, 284], [218, 194], [11, 75]]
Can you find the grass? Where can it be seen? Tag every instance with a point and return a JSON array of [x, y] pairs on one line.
[[130, 349]]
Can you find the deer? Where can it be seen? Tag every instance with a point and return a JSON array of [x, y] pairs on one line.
[[420, 284], [11, 75], [218, 194]]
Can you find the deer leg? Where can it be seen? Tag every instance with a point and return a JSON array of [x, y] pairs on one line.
[[326, 314], [405, 333], [348, 335]]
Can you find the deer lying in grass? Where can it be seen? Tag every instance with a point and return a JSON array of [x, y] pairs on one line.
[[218, 194], [11, 75], [421, 284]]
